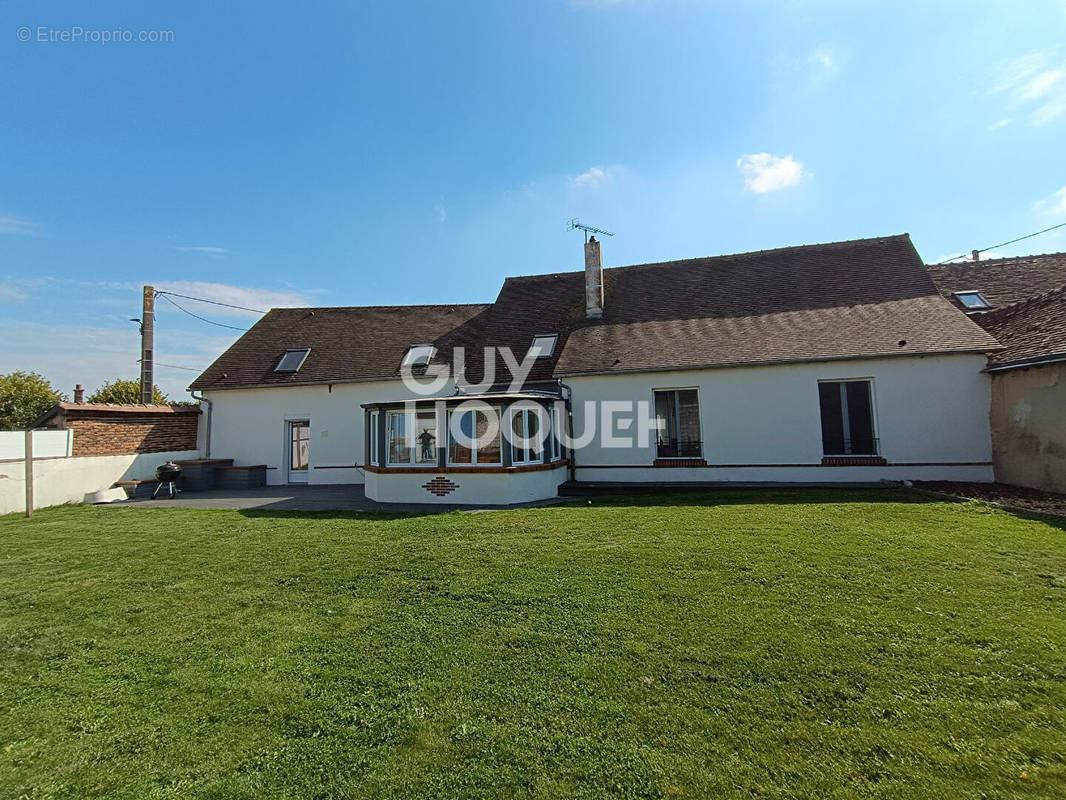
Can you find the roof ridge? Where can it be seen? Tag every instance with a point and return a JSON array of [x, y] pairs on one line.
[[380, 308], [745, 254], [943, 265]]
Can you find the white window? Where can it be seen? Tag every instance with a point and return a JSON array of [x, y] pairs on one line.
[[556, 432], [396, 437], [373, 437], [543, 346], [677, 415], [473, 446], [527, 443], [972, 300], [292, 360], [419, 355]]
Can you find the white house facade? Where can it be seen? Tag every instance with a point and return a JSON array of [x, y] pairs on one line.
[[817, 364]]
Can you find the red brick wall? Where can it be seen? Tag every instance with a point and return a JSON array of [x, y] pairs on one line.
[[103, 434]]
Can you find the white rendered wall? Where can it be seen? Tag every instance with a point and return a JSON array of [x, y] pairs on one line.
[[249, 426], [931, 416], [71, 480], [474, 488]]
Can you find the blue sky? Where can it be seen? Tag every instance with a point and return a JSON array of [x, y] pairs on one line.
[[280, 154]]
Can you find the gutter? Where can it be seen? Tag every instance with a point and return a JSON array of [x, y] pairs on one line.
[[1036, 361], [207, 425]]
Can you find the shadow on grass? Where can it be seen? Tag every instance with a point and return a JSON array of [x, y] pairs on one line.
[[636, 498]]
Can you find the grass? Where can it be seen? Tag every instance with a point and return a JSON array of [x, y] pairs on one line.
[[789, 644]]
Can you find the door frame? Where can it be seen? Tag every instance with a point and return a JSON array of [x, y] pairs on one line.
[[291, 475]]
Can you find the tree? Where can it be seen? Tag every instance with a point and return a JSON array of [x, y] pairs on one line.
[[24, 396], [125, 393]]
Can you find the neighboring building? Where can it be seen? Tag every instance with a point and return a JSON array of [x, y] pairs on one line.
[[830, 363], [1022, 303], [103, 429]]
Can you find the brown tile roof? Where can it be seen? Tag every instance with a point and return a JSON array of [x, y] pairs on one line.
[[347, 343], [1002, 281], [1032, 330], [64, 409], [861, 298]]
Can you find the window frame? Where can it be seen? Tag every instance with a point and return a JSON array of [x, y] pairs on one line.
[[411, 360], [389, 416], [874, 430], [306, 352], [538, 443], [373, 450], [699, 418], [475, 451], [982, 301], [554, 337]]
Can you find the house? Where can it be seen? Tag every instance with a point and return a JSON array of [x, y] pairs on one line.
[[836, 362], [1022, 303]]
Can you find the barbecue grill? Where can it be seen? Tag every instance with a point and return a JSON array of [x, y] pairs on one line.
[[167, 475]]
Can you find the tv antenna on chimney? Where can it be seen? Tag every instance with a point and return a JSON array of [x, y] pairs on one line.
[[574, 225]]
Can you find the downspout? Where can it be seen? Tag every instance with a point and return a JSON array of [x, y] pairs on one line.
[[207, 425], [570, 452]]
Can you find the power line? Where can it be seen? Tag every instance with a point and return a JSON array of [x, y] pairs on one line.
[[178, 366], [1003, 244], [212, 302], [197, 316]]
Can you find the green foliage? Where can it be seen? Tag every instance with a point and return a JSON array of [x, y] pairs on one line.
[[125, 392], [24, 396], [786, 644]]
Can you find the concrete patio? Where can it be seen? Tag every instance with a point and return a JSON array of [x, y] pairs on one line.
[[343, 497]]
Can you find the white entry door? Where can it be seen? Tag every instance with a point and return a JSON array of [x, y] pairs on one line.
[[299, 436]]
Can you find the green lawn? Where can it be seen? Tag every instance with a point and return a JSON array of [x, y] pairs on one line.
[[787, 644]]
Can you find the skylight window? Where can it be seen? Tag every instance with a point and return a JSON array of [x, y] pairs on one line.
[[543, 346], [419, 355], [292, 360], [972, 301]]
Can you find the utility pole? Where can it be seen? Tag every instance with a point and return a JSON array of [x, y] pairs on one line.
[[147, 344]]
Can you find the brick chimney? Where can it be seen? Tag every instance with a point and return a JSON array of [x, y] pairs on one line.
[[593, 279], [79, 394]]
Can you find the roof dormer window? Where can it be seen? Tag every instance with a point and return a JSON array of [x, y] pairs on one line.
[[418, 355], [972, 300], [543, 346], [292, 360]]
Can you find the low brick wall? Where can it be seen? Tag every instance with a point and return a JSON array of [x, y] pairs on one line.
[[101, 430]]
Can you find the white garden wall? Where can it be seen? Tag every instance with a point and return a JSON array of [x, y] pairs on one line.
[[59, 480]]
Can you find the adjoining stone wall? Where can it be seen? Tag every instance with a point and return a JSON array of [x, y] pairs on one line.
[[1029, 427], [153, 430]]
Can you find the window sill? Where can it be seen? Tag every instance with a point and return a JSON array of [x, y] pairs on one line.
[[467, 468], [853, 461], [679, 462]]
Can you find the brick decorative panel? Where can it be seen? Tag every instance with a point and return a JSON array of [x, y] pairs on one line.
[[853, 461], [440, 486]]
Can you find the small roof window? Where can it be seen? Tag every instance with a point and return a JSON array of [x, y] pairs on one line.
[[972, 300], [543, 346], [418, 355], [292, 360]]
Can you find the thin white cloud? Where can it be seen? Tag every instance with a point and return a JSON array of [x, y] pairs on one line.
[[1052, 205], [764, 172], [89, 355], [245, 296], [442, 212], [10, 293], [18, 226], [1034, 85], [593, 178], [1003, 123], [822, 56], [214, 252]]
